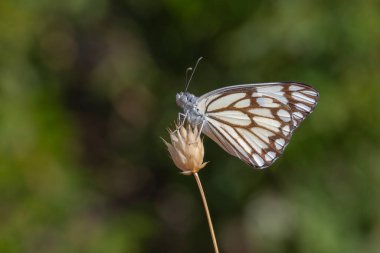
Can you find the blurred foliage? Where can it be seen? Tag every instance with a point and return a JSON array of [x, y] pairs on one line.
[[87, 87]]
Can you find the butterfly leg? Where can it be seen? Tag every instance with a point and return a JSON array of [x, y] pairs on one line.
[[180, 121], [201, 128]]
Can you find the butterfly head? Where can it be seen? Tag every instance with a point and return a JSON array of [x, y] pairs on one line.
[[186, 100]]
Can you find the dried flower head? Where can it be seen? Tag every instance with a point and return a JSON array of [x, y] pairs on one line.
[[186, 149]]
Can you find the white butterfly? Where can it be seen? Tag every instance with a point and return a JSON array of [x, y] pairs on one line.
[[253, 122]]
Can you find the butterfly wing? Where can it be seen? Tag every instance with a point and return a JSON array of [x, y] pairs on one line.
[[255, 122]]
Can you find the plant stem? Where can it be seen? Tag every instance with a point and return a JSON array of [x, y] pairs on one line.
[[207, 212]]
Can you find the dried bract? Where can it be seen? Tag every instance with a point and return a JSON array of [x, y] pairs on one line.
[[186, 149]]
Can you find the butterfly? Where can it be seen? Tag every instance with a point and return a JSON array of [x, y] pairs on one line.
[[253, 122]]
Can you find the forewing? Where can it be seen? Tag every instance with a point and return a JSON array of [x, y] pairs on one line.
[[255, 122]]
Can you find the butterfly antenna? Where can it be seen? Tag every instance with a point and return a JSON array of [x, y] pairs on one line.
[[187, 75], [192, 73]]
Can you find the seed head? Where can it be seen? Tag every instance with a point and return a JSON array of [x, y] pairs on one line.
[[186, 149]]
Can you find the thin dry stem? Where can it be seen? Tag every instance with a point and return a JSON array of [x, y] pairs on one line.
[[207, 212]]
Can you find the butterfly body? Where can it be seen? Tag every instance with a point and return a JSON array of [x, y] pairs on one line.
[[253, 122], [188, 102]]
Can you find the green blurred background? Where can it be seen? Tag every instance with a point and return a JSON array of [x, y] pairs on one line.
[[87, 87]]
